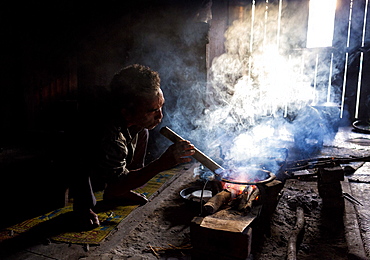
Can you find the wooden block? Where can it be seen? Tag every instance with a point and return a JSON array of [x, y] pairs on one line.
[[333, 202], [329, 175], [330, 190], [229, 245], [271, 190], [197, 254]]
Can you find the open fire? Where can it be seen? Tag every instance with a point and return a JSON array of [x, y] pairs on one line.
[[240, 209], [237, 196], [246, 199], [237, 189], [232, 217]]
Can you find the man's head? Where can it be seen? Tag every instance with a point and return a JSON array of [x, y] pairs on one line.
[[137, 96]]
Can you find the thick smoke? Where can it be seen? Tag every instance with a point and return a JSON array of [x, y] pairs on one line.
[[260, 97]]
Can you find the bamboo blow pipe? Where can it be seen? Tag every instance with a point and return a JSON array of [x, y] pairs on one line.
[[198, 155]]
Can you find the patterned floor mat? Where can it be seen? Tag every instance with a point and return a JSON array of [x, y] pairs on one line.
[[55, 223]]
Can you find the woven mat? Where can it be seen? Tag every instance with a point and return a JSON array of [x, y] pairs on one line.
[[55, 223]]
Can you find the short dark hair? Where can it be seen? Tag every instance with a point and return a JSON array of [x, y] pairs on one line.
[[132, 84]]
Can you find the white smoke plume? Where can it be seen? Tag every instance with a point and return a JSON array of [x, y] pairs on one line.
[[261, 96]]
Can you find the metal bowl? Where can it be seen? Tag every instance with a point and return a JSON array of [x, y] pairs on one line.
[[362, 126], [194, 194]]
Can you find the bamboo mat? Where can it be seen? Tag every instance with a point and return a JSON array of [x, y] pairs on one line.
[[55, 223]]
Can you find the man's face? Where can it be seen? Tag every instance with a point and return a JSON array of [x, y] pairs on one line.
[[148, 113]]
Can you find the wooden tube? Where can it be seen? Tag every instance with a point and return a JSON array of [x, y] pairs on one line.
[[198, 155]]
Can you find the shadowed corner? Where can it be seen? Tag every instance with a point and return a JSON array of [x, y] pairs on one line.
[[39, 234], [65, 223]]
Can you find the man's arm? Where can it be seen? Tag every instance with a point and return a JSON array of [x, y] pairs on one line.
[[175, 154]]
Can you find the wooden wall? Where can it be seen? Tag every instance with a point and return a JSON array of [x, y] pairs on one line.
[[348, 85], [63, 54]]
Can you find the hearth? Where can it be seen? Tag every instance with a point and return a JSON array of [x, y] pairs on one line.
[[233, 216], [244, 197]]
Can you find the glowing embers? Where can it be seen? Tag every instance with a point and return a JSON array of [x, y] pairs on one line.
[[235, 189], [239, 194], [248, 198]]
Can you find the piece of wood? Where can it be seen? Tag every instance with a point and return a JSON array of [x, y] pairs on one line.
[[293, 239], [214, 203], [198, 155], [246, 205], [212, 241], [242, 198], [227, 224]]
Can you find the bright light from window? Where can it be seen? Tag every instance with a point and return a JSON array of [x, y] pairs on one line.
[[321, 23]]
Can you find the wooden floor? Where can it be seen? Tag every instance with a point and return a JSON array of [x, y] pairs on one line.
[[357, 184]]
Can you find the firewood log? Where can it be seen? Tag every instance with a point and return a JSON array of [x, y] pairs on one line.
[[242, 198], [292, 242], [246, 206], [214, 203]]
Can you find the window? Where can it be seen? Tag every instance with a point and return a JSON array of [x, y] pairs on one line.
[[320, 23]]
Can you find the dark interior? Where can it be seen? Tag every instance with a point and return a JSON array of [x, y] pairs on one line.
[[59, 56]]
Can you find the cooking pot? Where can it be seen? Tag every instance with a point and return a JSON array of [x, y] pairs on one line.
[[262, 175]]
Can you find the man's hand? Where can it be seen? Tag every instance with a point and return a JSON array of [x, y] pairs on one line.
[[177, 153]]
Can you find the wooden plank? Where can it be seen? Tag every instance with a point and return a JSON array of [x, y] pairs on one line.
[[237, 226], [341, 24], [364, 94], [352, 229], [225, 244], [357, 22]]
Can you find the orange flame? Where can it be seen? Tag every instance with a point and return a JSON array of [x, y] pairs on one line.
[[236, 189]]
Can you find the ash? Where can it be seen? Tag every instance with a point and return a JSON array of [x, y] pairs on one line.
[[323, 234]]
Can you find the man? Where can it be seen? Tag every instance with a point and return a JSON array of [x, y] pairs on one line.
[[137, 102]]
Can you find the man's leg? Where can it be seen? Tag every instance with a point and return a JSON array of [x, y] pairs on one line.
[[83, 202]]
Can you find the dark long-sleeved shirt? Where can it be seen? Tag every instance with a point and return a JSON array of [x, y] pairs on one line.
[[122, 149]]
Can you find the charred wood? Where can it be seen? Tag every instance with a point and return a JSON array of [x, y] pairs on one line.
[[244, 201], [214, 203], [297, 230]]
